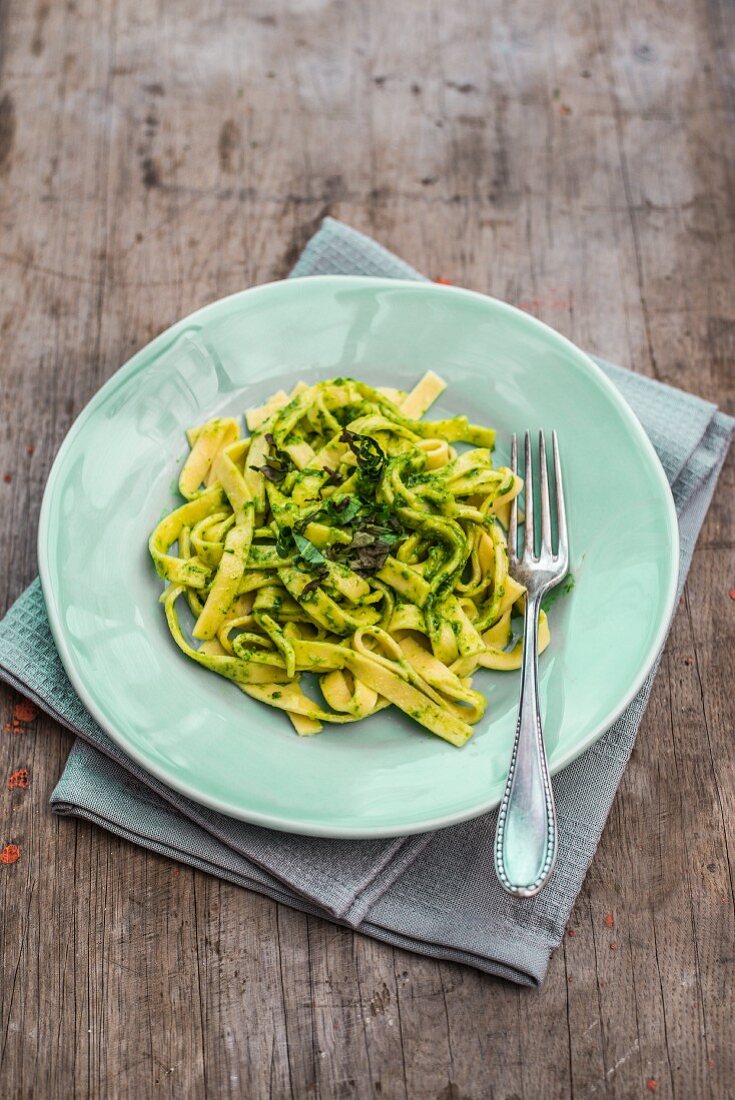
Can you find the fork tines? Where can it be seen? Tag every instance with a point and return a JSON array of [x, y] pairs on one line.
[[546, 553]]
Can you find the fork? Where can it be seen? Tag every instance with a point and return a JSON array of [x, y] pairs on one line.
[[526, 835]]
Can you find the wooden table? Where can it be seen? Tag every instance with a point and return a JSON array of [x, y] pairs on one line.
[[574, 159]]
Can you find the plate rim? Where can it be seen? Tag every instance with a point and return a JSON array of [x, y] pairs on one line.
[[272, 820]]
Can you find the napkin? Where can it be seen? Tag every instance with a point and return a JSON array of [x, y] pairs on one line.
[[434, 893]]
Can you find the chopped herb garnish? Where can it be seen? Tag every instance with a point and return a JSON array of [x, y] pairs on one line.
[[321, 574], [289, 541], [347, 508], [284, 542], [340, 512], [308, 552], [375, 533], [369, 455], [278, 465]]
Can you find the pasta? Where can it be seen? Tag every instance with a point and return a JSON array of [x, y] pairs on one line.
[[348, 538]]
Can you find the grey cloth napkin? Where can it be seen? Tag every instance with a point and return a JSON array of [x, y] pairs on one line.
[[434, 893]]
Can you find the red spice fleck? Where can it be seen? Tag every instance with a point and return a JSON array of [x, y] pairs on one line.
[[10, 854], [572, 932], [29, 450], [651, 1084], [443, 281], [564, 110], [613, 947], [19, 779], [681, 600], [731, 593], [688, 660], [710, 1063], [570, 979], [24, 711], [7, 478], [609, 920]]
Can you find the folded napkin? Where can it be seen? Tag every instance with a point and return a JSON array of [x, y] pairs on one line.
[[434, 893]]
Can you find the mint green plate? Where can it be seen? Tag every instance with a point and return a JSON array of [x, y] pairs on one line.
[[113, 479]]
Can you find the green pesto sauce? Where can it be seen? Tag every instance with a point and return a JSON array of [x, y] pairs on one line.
[[562, 589]]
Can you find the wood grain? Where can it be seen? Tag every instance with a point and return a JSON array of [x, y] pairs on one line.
[[574, 159]]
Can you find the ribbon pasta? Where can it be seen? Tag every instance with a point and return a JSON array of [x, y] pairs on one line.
[[348, 538]]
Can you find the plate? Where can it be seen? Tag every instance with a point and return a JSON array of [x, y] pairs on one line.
[[115, 476]]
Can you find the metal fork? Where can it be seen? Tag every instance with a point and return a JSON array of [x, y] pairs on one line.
[[526, 836]]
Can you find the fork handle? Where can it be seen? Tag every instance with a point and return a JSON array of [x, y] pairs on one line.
[[526, 836]]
